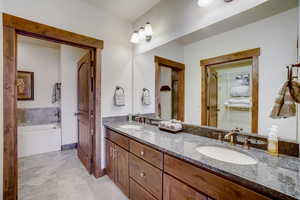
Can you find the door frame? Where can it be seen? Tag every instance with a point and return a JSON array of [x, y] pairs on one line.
[[180, 68], [12, 27], [237, 56]]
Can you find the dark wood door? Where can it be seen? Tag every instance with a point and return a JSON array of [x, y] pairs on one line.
[[213, 98], [175, 190], [85, 113], [110, 159], [121, 169]]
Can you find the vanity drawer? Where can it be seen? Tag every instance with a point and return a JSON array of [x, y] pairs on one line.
[[117, 139], [146, 175], [175, 190], [147, 153], [139, 193], [208, 183]]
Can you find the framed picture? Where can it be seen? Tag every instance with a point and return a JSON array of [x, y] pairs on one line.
[[25, 85]]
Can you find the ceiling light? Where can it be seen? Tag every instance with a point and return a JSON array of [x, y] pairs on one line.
[[135, 37], [142, 33], [204, 3]]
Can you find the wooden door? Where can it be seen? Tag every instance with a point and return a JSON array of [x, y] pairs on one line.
[[85, 114], [110, 159], [175, 190], [212, 98], [121, 169]]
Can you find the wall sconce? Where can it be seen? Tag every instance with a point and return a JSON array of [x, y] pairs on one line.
[[144, 34]]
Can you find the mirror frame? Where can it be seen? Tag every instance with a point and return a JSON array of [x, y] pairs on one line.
[[180, 68], [242, 55]]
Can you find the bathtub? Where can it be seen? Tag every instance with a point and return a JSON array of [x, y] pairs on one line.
[[38, 139]]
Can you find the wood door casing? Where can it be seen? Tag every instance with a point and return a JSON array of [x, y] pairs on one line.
[[212, 98], [242, 55], [85, 111], [121, 169]]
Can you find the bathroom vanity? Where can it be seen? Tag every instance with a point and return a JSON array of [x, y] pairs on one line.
[[149, 164]]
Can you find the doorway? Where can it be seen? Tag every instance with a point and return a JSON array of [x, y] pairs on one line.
[[229, 91], [169, 89], [12, 28]]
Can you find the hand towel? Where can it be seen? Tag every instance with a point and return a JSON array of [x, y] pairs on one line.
[[284, 104]]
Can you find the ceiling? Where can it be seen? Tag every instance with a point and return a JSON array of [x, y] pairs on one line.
[[264, 10], [129, 10]]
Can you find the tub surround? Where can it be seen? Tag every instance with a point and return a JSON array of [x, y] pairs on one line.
[[38, 116], [275, 177]]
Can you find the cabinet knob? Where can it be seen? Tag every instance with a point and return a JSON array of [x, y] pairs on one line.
[[142, 153], [142, 174]]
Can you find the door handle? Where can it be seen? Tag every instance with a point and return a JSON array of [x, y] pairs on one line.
[[77, 113]]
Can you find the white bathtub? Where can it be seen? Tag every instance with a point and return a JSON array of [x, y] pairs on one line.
[[38, 139]]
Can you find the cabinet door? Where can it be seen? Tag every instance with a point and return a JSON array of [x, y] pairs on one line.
[[110, 159], [121, 169], [175, 190]]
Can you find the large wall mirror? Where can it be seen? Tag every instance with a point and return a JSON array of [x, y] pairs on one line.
[[232, 76], [230, 88]]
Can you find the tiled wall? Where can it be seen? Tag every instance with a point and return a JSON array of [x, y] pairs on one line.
[[38, 116]]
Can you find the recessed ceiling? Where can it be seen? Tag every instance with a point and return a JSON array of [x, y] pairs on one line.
[[129, 10]]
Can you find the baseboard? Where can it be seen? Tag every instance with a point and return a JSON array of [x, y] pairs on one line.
[[68, 146], [99, 173]]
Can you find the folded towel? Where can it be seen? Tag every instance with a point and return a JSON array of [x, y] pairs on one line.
[[285, 104], [239, 101], [240, 91]]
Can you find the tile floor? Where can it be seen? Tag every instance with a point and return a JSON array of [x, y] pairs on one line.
[[61, 176]]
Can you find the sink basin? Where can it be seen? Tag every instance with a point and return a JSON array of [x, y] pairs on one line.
[[226, 155], [131, 127]]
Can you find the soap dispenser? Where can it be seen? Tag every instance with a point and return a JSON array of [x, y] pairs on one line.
[[273, 141]]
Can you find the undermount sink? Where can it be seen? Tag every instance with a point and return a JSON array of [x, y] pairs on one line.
[[135, 127], [226, 155]]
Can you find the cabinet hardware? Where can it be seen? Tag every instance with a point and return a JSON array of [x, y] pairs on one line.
[[142, 153], [142, 174]]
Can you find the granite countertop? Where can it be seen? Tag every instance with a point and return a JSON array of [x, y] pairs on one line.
[[278, 177]]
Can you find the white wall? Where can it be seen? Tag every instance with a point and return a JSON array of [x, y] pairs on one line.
[[45, 63], [166, 96], [69, 57], [277, 38], [80, 17], [172, 19], [144, 73]]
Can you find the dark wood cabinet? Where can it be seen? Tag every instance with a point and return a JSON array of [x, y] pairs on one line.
[[146, 153], [145, 173], [139, 193], [110, 159], [117, 166], [121, 169], [175, 190]]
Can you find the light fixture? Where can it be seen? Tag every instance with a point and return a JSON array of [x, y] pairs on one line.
[[148, 31], [135, 37], [204, 3], [143, 34]]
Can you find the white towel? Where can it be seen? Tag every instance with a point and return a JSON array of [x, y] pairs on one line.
[[119, 96], [240, 91], [146, 98]]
